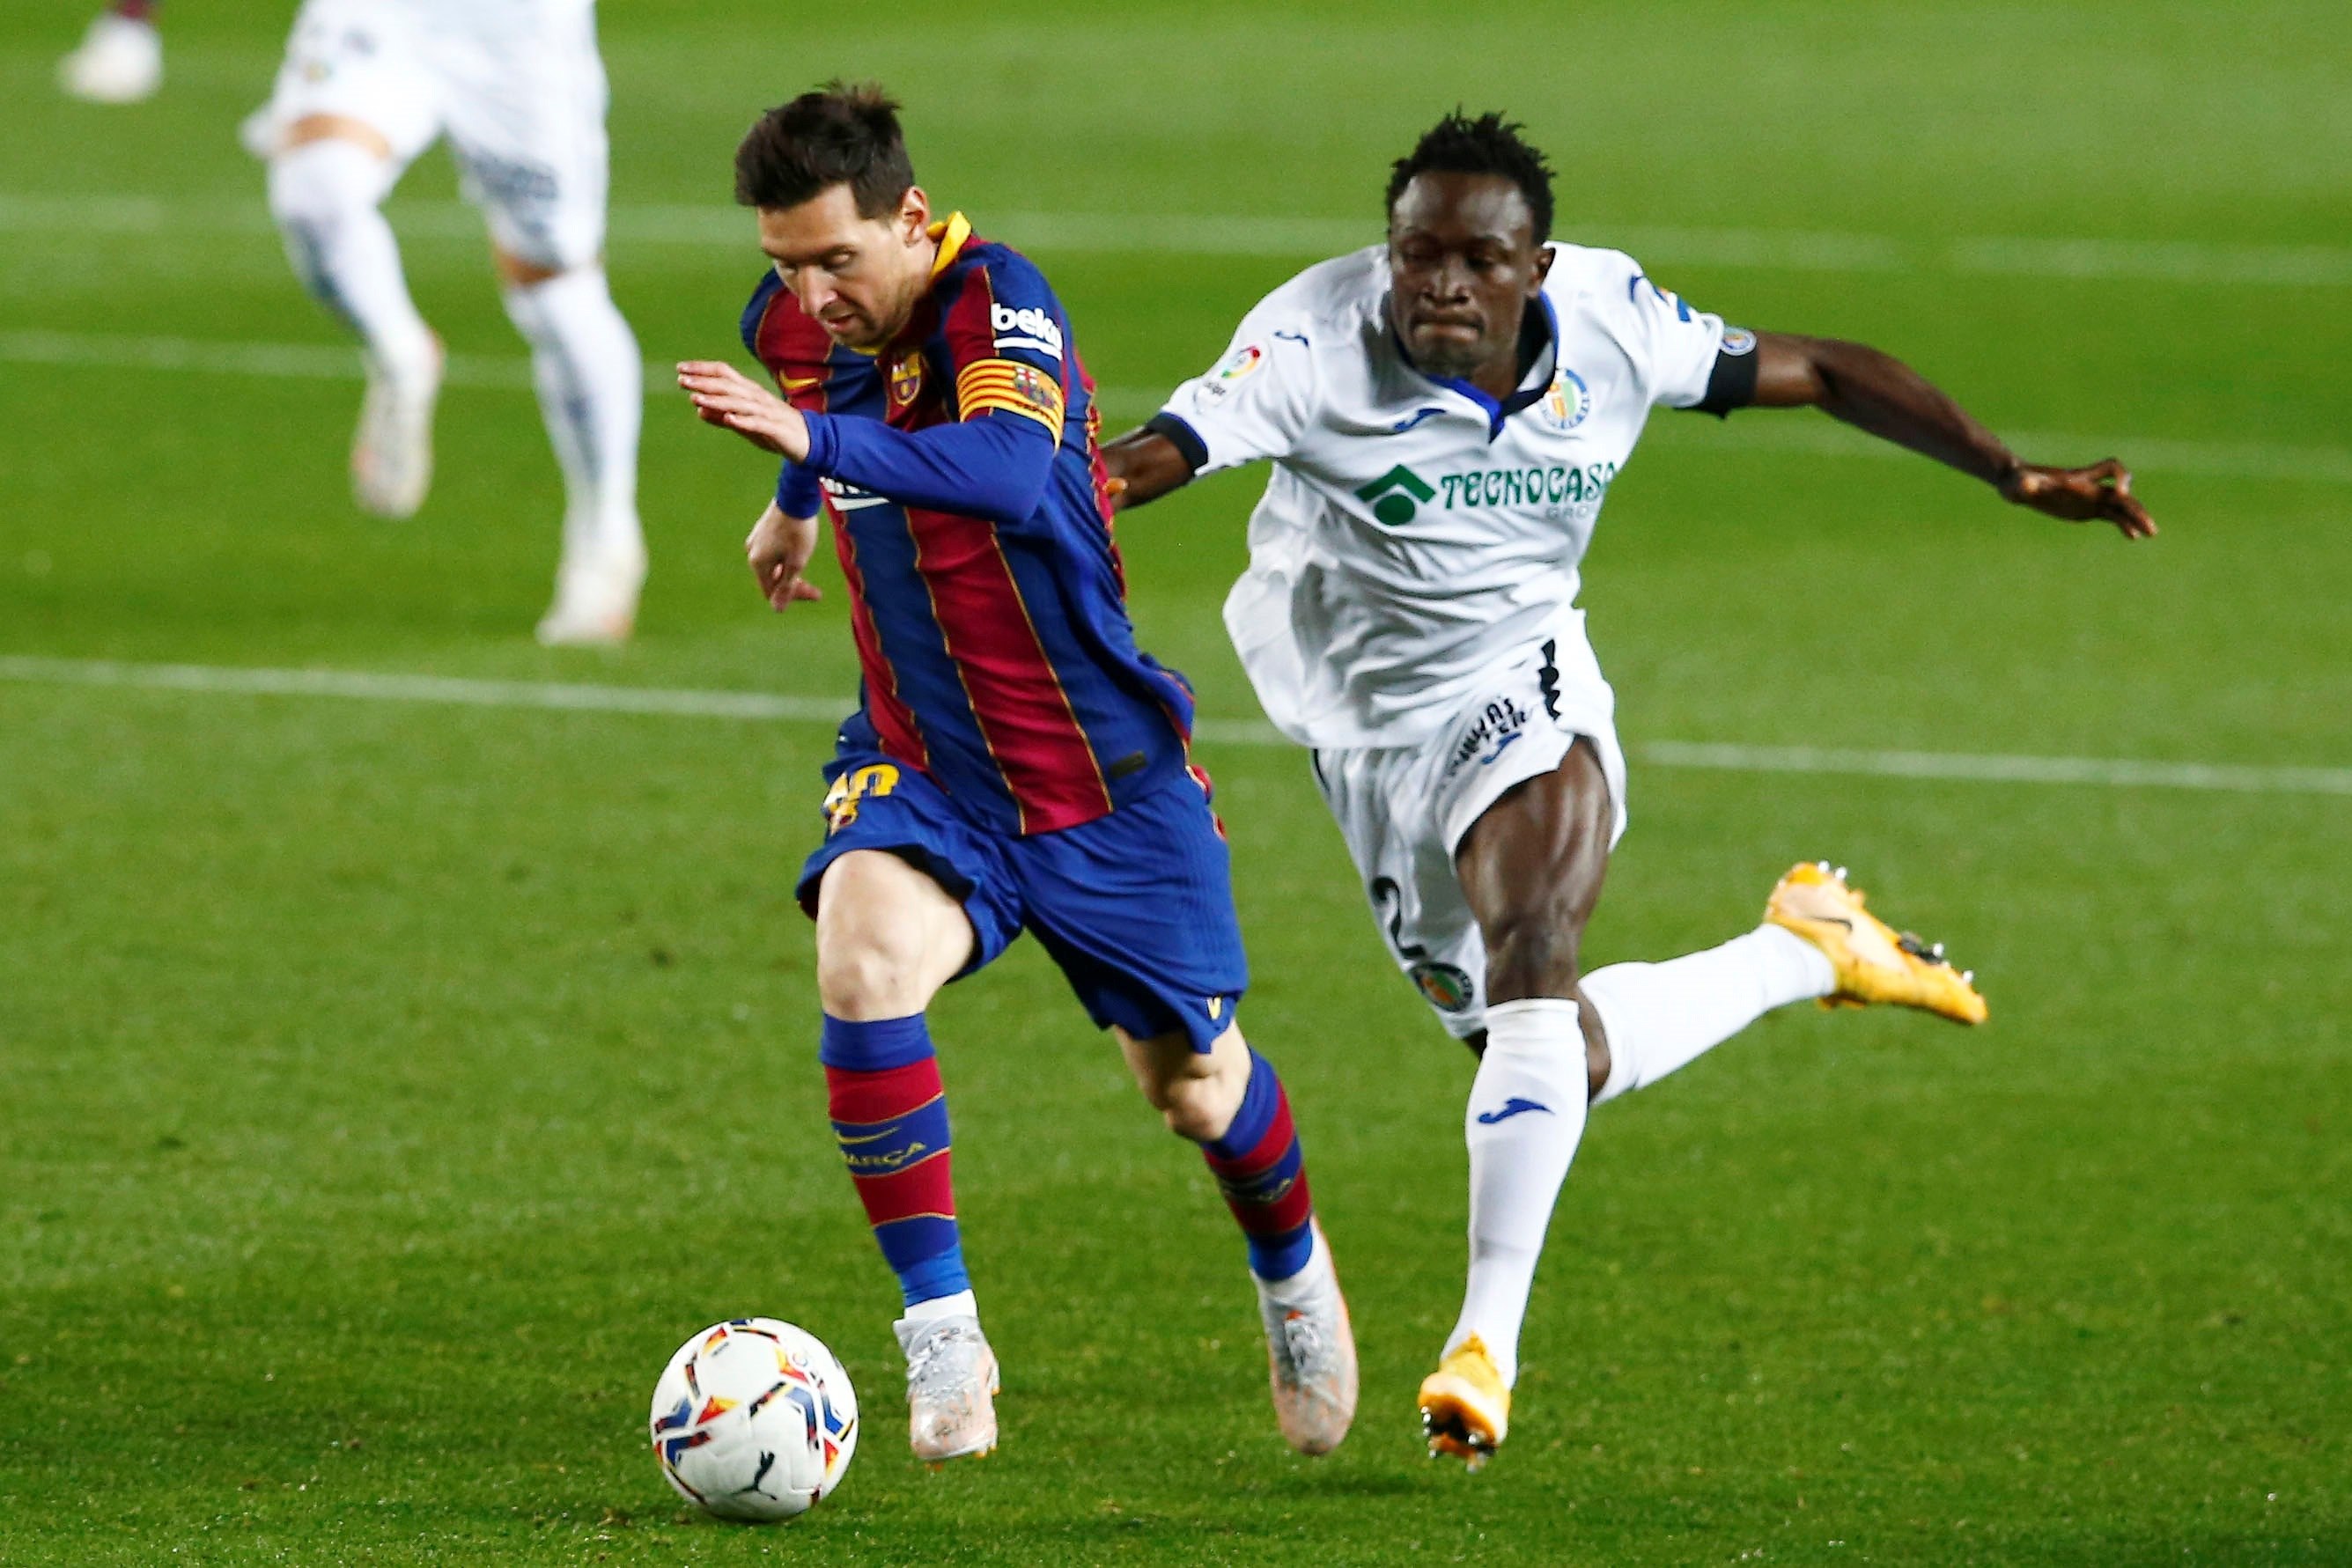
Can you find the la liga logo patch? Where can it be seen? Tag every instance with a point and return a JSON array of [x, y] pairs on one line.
[[1243, 360]]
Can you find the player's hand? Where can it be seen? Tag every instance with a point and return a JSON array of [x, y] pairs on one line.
[[2101, 493], [726, 397], [779, 551]]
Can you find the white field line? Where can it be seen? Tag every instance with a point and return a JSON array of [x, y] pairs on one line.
[[326, 362], [764, 707], [1301, 239]]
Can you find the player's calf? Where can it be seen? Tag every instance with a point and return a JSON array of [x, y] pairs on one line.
[[887, 937], [890, 1117], [1229, 1101]]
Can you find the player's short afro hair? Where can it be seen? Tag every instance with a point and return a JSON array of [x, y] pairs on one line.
[[1489, 145], [843, 133]]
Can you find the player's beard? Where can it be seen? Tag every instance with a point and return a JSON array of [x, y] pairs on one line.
[[1448, 355], [1450, 359]]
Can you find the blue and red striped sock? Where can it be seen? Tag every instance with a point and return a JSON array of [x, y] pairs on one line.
[[890, 1114], [1262, 1174]]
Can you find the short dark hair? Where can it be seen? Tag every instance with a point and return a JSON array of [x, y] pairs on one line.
[[843, 133], [1489, 145]]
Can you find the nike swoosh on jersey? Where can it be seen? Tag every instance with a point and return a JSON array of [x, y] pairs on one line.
[[1500, 747], [802, 383], [1511, 1108], [1416, 417]]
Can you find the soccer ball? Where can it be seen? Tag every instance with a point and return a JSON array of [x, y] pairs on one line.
[[754, 1419]]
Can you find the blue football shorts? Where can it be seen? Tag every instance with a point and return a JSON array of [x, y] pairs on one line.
[[1136, 907]]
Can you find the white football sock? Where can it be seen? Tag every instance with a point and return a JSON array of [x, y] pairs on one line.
[[591, 393], [1659, 1016], [1307, 1283], [324, 196], [1526, 1114], [963, 1304]]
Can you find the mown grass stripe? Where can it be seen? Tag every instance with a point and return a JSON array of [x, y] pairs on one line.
[[1304, 239], [495, 372], [773, 707]]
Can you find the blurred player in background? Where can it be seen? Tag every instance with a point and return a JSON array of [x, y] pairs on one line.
[[1015, 762], [120, 59], [518, 89], [1445, 413]]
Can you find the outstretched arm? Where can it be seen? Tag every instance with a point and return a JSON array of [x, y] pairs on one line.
[[994, 468], [1881, 395], [1144, 466]]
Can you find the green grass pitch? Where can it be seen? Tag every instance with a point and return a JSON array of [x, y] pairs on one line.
[[387, 1088]]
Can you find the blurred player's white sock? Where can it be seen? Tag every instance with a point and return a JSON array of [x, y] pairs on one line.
[[1659, 1016], [1526, 1115], [591, 392], [325, 196]]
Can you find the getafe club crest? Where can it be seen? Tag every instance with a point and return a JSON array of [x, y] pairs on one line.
[[1447, 988], [1566, 401], [906, 379]]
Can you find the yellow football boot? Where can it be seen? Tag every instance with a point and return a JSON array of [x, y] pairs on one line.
[[1466, 1411], [1874, 963]]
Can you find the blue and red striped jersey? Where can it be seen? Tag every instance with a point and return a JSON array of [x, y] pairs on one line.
[[993, 639]]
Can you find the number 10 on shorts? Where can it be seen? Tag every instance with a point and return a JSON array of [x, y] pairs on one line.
[[841, 801]]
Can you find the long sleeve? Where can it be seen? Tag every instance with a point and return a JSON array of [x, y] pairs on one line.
[[996, 468], [797, 494]]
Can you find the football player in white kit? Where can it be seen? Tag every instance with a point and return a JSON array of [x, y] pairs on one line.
[[518, 89], [1445, 413]]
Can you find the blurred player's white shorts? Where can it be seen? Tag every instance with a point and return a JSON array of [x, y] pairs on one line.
[[516, 85], [1405, 810]]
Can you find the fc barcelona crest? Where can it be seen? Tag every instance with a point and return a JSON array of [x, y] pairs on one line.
[[906, 380]]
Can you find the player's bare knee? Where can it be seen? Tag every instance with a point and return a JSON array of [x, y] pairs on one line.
[[886, 937], [861, 980], [1532, 955], [1194, 1108], [524, 272], [1196, 1093], [312, 130]]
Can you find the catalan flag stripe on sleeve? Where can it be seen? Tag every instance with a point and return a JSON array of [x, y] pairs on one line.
[[1008, 386]]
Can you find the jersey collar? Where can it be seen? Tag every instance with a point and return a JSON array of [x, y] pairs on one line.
[[1546, 354], [953, 233]]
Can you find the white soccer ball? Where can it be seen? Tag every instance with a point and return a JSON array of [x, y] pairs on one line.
[[754, 1419]]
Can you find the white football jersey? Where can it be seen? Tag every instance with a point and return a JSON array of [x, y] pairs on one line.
[[1414, 532]]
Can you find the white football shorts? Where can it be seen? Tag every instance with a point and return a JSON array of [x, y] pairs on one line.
[[516, 85], [1405, 810]]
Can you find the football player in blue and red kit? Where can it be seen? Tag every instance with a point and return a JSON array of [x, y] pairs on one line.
[[1016, 762]]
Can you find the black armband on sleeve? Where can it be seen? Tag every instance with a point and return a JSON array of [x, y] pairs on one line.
[[1732, 383], [1187, 441]]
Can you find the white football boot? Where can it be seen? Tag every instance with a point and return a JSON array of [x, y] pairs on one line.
[[392, 455], [952, 1384], [596, 602], [1310, 1348], [120, 60]]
